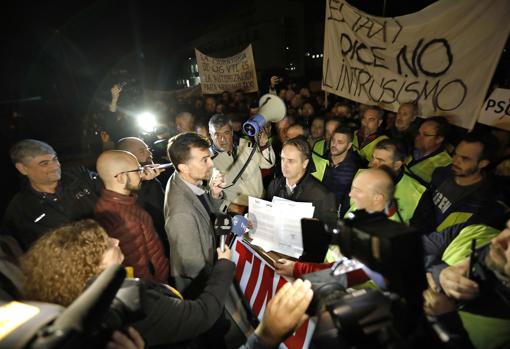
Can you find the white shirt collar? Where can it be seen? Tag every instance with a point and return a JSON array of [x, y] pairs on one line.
[[290, 187], [194, 188]]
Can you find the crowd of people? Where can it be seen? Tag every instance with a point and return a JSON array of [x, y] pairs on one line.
[[71, 223]]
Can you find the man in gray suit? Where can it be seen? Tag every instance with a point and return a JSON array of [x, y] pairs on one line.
[[189, 210]]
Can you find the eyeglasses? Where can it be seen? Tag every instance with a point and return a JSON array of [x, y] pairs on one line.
[[139, 170]]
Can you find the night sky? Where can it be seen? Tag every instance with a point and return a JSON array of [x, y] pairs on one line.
[[67, 47]]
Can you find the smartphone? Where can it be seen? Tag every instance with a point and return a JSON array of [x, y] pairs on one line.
[[472, 259]]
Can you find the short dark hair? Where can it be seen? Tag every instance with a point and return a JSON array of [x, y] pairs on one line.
[[179, 147], [301, 144], [345, 131], [219, 120], [301, 126], [333, 118], [318, 117], [29, 148], [380, 112], [488, 144], [396, 147], [443, 127]]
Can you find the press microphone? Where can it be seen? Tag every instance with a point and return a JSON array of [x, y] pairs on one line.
[[239, 225], [160, 166], [222, 226]]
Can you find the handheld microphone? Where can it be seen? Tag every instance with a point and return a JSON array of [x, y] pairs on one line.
[[222, 226], [162, 166], [239, 225]]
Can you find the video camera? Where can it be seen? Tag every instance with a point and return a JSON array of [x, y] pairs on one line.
[[369, 317], [110, 303]]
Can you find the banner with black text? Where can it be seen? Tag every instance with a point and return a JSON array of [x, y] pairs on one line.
[[442, 57], [496, 109], [227, 74]]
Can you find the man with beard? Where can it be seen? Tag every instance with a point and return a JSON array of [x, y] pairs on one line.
[[321, 147], [463, 189], [50, 196], [189, 211], [343, 165], [123, 219], [151, 195]]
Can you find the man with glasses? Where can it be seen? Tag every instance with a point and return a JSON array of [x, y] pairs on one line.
[[118, 212], [429, 152], [151, 195], [230, 159], [50, 196]]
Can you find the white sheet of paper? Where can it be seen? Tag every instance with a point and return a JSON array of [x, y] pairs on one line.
[[261, 217], [277, 224]]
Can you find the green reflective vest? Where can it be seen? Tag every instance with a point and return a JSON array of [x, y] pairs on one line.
[[320, 166], [366, 152], [408, 192], [460, 248], [484, 332], [424, 168], [319, 147], [452, 219]]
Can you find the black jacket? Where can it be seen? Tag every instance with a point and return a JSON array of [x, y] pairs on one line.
[[308, 189], [174, 323], [30, 213]]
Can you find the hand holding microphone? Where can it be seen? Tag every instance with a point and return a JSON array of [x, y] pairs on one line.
[[151, 171], [222, 226]]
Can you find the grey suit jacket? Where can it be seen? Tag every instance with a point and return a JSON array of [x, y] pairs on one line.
[[189, 230]]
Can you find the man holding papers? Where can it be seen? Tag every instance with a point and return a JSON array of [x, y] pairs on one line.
[[298, 185]]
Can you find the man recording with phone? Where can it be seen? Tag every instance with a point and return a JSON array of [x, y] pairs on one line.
[[478, 288]]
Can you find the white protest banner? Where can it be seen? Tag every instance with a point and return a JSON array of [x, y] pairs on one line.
[[227, 74], [496, 109], [259, 283], [443, 56]]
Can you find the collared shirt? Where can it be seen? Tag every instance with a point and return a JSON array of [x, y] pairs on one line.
[[194, 188], [290, 188]]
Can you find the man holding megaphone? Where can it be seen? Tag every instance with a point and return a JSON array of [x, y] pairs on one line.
[[241, 163]]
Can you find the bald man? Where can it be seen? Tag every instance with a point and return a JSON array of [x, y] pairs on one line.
[[123, 219], [151, 196], [372, 190]]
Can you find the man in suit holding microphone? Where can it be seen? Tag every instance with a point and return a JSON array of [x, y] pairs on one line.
[[189, 210]]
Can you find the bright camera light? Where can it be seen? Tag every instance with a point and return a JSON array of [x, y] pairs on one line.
[[146, 121]]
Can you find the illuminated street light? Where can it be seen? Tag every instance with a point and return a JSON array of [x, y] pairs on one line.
[[146, 121]]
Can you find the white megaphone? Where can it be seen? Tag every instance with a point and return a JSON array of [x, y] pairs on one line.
[[271, 109]]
